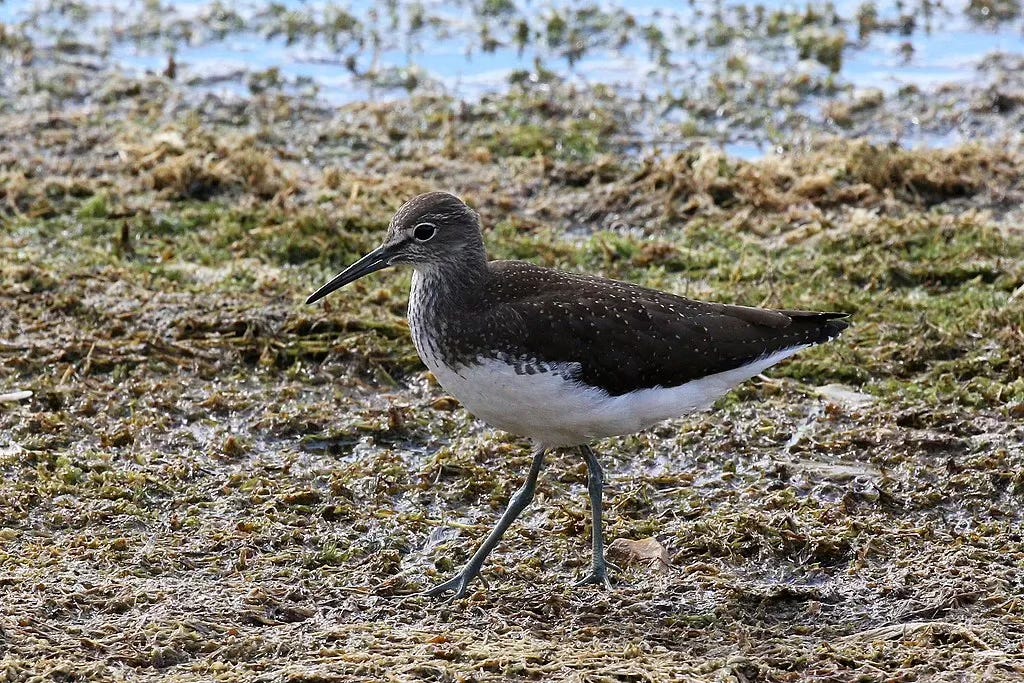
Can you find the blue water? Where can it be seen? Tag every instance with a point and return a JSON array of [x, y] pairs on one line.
[[948, 53], [944, 49]]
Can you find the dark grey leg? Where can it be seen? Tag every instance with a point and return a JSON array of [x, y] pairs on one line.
[[520, 499], [595, 484]]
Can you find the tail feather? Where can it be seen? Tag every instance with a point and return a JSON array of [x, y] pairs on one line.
[[831, 324]]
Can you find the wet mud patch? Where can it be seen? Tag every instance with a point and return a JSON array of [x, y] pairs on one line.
[[210, 480]]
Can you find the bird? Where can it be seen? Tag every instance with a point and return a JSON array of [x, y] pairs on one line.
[[562, 358]]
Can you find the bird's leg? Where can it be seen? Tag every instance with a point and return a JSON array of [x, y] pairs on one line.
[[595, 484], [520, 499]]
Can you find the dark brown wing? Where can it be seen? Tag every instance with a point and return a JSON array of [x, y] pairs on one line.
[[626, 337]]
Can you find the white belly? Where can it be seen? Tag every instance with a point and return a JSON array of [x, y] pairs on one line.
[[555, 411]]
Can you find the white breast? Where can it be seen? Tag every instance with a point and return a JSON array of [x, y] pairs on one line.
[[555, 411]]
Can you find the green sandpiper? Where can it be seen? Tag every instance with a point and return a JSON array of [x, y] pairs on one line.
[[564, 358]]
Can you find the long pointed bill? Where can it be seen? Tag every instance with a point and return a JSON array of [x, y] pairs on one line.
[[372, 262]]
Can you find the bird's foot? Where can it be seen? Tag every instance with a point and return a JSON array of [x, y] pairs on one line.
[[600, 580], [458, 585], [598, 576]]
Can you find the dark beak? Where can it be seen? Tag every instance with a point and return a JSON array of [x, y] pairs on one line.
[[372, 262]]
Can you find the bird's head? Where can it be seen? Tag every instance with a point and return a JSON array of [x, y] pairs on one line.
[[433, 230]]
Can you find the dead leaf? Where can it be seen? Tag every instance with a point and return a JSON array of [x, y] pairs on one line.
[[445, 403], [843, 395], [647, 550]]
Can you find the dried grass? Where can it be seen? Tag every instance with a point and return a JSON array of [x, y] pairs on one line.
[[210, 481]]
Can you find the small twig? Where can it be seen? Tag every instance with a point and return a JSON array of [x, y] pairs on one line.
[[903, 630], [15, 395], [1016, 293]]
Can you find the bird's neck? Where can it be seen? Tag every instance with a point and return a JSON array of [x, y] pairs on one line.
[[443, 294], [451, 282]]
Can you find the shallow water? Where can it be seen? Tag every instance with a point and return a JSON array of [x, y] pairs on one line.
[[469, 50], [946, 43]]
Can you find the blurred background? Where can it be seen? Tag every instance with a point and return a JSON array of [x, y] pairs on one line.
[[751, 76]]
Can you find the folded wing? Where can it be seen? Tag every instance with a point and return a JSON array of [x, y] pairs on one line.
[[601, 324]]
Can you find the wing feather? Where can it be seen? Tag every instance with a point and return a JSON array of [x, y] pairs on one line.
[[625, 337]]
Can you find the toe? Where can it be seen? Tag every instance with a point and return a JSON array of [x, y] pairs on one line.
[[599, 579], [440, 589], [458, 585]]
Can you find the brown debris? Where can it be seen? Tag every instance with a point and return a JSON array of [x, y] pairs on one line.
[[645, 550]]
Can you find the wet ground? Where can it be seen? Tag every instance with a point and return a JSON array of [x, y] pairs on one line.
[[210, 480]]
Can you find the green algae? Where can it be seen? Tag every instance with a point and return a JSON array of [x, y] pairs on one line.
[[183, 391], [211, 480]]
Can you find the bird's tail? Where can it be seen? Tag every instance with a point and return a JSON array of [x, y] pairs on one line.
[[821, 327]]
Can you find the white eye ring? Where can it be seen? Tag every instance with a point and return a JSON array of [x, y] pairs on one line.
[[424, 231]]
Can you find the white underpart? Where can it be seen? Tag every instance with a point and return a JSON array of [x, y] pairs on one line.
[[555, 411]]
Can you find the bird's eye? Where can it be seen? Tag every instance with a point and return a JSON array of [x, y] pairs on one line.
[[424, 231]]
